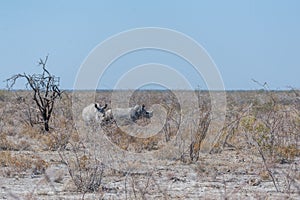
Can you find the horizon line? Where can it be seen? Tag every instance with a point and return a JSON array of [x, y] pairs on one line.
[[161, 90]]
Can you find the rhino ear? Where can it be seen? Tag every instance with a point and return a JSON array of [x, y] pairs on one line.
[[136, 108]]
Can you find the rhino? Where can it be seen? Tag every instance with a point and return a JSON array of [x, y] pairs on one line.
[[93, 112], [127, 115]]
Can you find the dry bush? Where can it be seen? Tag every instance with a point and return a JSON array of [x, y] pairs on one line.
[[54, 141], [287, 153], [3, 95], [137, 187], [85, 170], [19, 163], [11, 125], [273, 127], [172, 122], [32, 132], [10, 143], [20, 121], [270, 119], [6, 144], [267, 123], [202, 127], [128, 142], [63, 115]]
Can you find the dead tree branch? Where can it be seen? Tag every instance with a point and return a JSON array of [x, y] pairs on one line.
[[45, 89]]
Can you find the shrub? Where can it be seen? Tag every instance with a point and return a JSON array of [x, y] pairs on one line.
[[86, 171], [22, 163]]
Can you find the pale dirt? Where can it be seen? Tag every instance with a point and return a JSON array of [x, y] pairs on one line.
[[230, 174]]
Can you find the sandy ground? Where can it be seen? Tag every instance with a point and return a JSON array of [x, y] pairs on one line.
[[230, 174]]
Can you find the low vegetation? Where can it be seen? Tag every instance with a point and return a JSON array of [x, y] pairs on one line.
[[263, 123]]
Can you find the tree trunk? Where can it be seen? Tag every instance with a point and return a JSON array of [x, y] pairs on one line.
[[46, 121], [46, 125]]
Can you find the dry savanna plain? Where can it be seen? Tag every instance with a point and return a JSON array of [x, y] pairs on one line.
[[250, 152]]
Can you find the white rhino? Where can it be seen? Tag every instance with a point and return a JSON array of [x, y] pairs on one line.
[[127, 115], [93, 112]]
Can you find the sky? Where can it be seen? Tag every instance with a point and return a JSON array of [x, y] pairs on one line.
[[245, 39]]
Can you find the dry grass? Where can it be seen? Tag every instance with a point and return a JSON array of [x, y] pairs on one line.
[[19, 164], [263, 124]]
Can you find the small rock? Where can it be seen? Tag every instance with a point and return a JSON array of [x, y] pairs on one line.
[[284, 161], [175, 179], [254, 182]]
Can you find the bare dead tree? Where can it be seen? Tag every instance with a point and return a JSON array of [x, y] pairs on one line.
[[202, 127], [45, 88]]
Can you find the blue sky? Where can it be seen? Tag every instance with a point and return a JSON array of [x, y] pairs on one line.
[[246, 39]]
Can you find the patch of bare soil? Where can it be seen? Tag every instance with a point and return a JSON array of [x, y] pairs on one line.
[[229, 174]]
